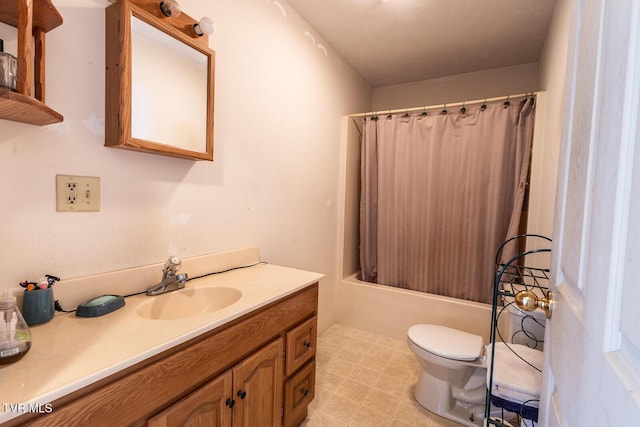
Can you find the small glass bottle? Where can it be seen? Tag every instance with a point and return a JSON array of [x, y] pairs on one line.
[[15, 337], [8, 69]]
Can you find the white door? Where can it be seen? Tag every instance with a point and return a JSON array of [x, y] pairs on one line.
[[592, 347]]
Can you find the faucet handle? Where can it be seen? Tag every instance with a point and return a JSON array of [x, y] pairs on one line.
[[172, 265]]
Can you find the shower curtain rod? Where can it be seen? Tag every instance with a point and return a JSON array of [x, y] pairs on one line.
[[444, 106]]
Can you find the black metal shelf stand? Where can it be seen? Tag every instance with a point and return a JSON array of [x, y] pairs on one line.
[[516, 274]]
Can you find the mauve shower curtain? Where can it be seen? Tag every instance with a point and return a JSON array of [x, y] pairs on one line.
[[440, 193]]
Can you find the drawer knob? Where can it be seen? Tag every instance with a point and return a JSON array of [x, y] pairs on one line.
[[230, 403], [242, 394], [304, 391], [307, 344]]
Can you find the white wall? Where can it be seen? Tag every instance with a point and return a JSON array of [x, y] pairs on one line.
[[551, 80], [279, 101], [460, 87]]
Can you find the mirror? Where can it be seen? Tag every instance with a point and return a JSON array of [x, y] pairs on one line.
[[159, 82]]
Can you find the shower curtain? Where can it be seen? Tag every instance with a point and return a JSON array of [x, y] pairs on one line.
[[440, 193]]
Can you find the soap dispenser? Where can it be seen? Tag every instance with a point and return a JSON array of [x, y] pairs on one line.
[[15, 337], [8, 69]]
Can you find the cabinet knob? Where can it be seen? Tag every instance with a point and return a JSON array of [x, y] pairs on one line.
[[307, 344], [304, 391], [242, 394], [230, 403]]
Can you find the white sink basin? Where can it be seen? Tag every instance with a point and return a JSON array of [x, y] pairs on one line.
[[188, 302]]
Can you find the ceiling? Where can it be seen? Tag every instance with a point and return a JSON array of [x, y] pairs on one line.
[[391, 42]]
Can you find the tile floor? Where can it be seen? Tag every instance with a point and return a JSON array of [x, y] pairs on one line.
[[366, 380]]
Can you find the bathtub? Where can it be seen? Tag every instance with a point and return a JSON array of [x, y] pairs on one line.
[[390, 311]]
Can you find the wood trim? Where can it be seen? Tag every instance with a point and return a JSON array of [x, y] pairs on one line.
[[39, 63], [45, 15], [177, 26], [25, 32], [118, 108], [117, 73], [178, 371]]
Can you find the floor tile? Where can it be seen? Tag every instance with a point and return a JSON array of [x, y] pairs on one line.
[[366, 376], [378, 399], [324, 421], [366, 380], [340, 408], [353, 390], [412, 413], [367, 417], [438, 421], [392, 385], [329, 379]]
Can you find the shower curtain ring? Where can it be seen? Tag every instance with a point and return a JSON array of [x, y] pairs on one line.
[[444, 110], [506, 103], [463, 110], [484, 105]]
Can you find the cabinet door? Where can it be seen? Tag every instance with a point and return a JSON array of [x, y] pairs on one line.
[[205, 407], [257, 388], [299, 391], [301, 345]]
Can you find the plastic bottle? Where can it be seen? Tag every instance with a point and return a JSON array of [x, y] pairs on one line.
[[15, 337]]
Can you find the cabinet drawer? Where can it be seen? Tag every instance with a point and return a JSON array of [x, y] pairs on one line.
[[301, 345], [299, 391]]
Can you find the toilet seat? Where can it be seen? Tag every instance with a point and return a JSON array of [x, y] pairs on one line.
[[446, 342]]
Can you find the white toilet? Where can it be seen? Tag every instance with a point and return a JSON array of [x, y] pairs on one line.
[[452, 383]]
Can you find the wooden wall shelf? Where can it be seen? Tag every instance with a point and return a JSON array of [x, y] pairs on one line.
[[26, 109], [32, 18]]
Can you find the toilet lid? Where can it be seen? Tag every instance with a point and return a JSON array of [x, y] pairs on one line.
[[446, 342]]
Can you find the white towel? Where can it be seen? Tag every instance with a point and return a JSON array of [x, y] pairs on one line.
[[513, 379]]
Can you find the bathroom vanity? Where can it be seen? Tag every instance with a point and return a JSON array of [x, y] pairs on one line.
[[249, 364]]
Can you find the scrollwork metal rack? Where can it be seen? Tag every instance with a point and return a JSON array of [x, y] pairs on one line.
[[528, 271]]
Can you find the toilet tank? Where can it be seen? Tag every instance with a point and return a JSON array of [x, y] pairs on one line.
[[525, 327]]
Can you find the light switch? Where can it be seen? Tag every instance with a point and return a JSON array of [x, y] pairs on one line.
[[77, 193]]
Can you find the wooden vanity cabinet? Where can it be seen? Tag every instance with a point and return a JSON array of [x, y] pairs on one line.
[[247, 395], [234, 375], [204, 407], [257, 388]]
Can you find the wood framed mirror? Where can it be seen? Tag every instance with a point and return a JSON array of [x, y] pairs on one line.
[[159, 82]]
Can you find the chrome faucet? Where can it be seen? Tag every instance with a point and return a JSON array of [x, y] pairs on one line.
[[171, 281]]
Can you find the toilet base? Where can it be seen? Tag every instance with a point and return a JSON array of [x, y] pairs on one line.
[[462, 405]]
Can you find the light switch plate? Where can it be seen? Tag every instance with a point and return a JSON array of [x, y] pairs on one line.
[[77, 193]]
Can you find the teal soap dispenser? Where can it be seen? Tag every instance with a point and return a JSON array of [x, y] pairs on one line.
[[15, 337]]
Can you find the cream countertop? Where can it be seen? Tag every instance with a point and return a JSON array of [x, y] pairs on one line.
[[70, 352]]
